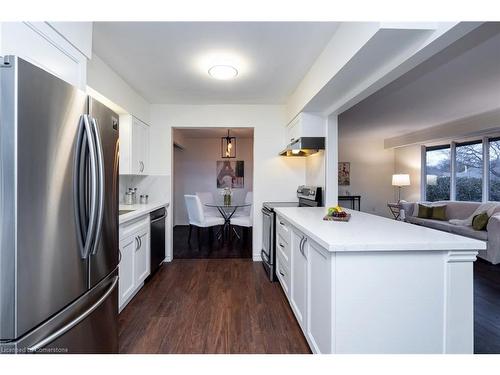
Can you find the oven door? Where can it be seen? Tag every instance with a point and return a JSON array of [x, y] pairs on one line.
[[267, 252]]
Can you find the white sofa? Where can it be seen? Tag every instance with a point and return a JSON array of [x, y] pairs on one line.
[[461, 210]]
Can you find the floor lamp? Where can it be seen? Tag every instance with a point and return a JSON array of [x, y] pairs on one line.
[[400, 180]]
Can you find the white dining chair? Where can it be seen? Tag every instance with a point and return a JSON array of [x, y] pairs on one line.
[[245, 211], [244, 221], [207, 197], [198, 219]]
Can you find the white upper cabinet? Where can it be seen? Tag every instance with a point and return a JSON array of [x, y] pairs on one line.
[[61, 48], [134, 146], [305, 125]]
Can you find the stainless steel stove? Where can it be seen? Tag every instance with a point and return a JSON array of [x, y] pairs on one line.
[[308, 196]]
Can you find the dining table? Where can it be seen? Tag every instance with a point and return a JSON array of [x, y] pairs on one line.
[[227, 210]]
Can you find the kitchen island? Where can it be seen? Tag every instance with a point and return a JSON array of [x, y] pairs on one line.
[[375, 285]]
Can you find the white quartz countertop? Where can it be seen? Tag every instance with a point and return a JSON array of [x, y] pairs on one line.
[[138, 210], [367, 232]]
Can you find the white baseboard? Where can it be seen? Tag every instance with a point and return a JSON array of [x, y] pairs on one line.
[[256, 258]]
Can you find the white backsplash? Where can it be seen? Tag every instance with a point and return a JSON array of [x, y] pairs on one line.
[[157, 187]]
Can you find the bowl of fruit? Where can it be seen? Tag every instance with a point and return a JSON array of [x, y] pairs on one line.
[[337, 214]]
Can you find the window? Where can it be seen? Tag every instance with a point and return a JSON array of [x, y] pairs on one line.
[[494, 172], [437, 173], [469, 171]]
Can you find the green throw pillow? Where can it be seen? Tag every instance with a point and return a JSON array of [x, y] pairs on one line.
[[479, 222], [424, 212], [438, 213]]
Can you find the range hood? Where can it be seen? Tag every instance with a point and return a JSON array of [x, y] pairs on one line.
[[304, 146]]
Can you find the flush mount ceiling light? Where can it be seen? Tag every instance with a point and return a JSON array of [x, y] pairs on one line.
[[223, 72], [221, 64]]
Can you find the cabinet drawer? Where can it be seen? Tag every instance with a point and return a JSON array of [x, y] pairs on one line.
[[282, 229], [131, 227], [283, 274], [283, 250]]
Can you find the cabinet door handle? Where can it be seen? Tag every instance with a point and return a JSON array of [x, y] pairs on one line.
[[141, 166], [281, 245], [281, 273], [301, 246], [282, 223], [136, 243]]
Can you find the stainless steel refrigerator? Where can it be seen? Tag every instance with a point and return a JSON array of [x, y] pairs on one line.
[[58, 215]]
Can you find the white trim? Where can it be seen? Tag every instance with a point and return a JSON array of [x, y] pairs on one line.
[[453, 171], [486, 169], [423, 173]]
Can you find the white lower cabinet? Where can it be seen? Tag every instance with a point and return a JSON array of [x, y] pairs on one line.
[[310, 280], [135, 253], [142, 255], [320, 313], [283, 275], [126, 285], [299, 278]]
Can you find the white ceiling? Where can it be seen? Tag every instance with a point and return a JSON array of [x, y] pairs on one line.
[[215, 132], [167, 62], [461, 80]]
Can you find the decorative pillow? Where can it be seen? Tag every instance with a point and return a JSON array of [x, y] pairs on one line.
[[424, 212], [438, 212], [479, 222]]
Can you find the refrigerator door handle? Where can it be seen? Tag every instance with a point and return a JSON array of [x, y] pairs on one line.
[[93, 188], [85, 231], [100, 185], [46, 341], [78, 185]]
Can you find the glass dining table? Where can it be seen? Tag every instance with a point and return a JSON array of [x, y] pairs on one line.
[[227, 211]]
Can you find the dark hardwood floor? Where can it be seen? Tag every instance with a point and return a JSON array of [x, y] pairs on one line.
[[486, 307], [229, 306], [211, 248], [210, 306]]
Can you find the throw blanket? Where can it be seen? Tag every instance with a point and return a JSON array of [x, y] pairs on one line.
[[485, 207]]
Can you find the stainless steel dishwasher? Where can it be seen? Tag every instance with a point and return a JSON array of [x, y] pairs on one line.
[[157, 238]]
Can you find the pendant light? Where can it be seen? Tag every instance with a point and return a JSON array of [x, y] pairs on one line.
[[228, 146]]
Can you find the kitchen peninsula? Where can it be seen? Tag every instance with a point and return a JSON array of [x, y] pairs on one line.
[[374, 285]]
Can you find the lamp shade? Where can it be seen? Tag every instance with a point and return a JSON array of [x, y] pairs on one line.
[[400, 179]]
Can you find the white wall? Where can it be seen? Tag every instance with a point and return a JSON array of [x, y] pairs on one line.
[[157, 187], [408, 160], [315, 170], [372, 167], [120, 96], [275, 178], [195, 171]]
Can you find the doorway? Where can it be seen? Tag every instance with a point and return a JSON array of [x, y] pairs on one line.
[[212, 198]]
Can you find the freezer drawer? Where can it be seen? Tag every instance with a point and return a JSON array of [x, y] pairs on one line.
[[89, 325]]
